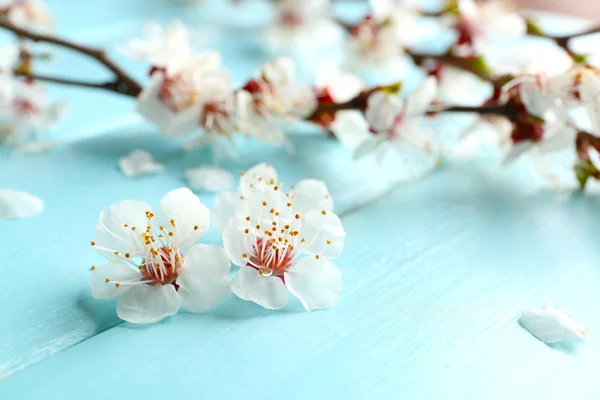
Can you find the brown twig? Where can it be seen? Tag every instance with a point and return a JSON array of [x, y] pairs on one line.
[[110, 86], [123, 84]]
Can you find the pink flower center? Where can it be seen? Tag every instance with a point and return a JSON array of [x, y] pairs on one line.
[[162, 267]]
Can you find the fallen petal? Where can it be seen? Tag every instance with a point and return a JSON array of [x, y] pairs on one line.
[[139, 162], [552, 327], [15, 204], [211, 178]]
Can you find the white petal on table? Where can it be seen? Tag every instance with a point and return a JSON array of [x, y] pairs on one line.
[[15, 204], [144, 304], [267, 291], [139, 162], [317, 283], [211, 178], [551, 326]]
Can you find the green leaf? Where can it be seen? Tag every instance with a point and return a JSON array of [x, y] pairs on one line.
[[580, 58], [479, 64], [533, 28], [583, 174], [452, 7], [394, 88]]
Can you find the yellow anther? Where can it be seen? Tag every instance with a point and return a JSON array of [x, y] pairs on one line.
[[264, 203], [292, 187], [247, 231], [93, 243], [133, 228], [248, 218], [116, 253], [244, 255], [242, 173], [274, 229], [173, 223], [107, 280], [127, 255], [117, 284], [277, 214], [276, 188], [274, 223], [160, 235], [162, 228], [289, 204], [271, 181], [257, 226], [291, 247], [171, 234], [196, 227], [252, 185], [93, 267], [317, 257], [329, 242], [241, 197], [261, 271], [272, 210], [126, 225], [323, 212], [297, 216], [287, 226], [303, 240]]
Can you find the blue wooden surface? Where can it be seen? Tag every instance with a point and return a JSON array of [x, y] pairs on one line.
[[434, 272]]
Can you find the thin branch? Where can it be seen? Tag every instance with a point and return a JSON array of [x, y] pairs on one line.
[[123, 84], [110, 86]]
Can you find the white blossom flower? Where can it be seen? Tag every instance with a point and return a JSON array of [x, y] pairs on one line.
[[339, 85], [27, 113], [28, 14], [17, 204], [209, 177], [544, 125], [274, 97], [299, 22], [552, 327], [9, 57], [482, 21], [139, 162], [199, 97], [280, 249], [165, 48], [396, 122], [308, 194], [149, 270]]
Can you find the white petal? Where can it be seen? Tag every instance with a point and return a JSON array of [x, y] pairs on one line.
[[341, 86], [209, 177], [317, 283], [421, 98], [324, 234], [279, 72], [382, 108], [560, 140], [115, 272], [312, 194], [368, 146], [257, 176], [267, 291], [350, 128], [139, 162], [16, 204], [150, 106], [594, 157], [551, 326], [182, 213], [204, 280], [516, 151], [144, 304], [235, 241], [225, 205], [114, 229]]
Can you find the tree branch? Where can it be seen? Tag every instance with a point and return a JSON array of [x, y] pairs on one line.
[[110, 86], [123, 84]]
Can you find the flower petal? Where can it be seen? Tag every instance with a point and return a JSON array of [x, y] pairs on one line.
[[144, 304], [317, 283], [267, 291], [262, 201], [104, 279], [225, 205], [324, 233], [119, 228], [257, 176], [551, 326], [182, 213], [139, 162], [368, 146], [594, 157], [312, 194], [421, 98], [16, 204], [350, 128], [234, 242], [516, 151], [382, 108], [204, 280], [209, 177]]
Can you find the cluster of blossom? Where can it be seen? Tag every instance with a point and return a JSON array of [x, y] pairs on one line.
[[281, 242], [529, 105], [26, 113]]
